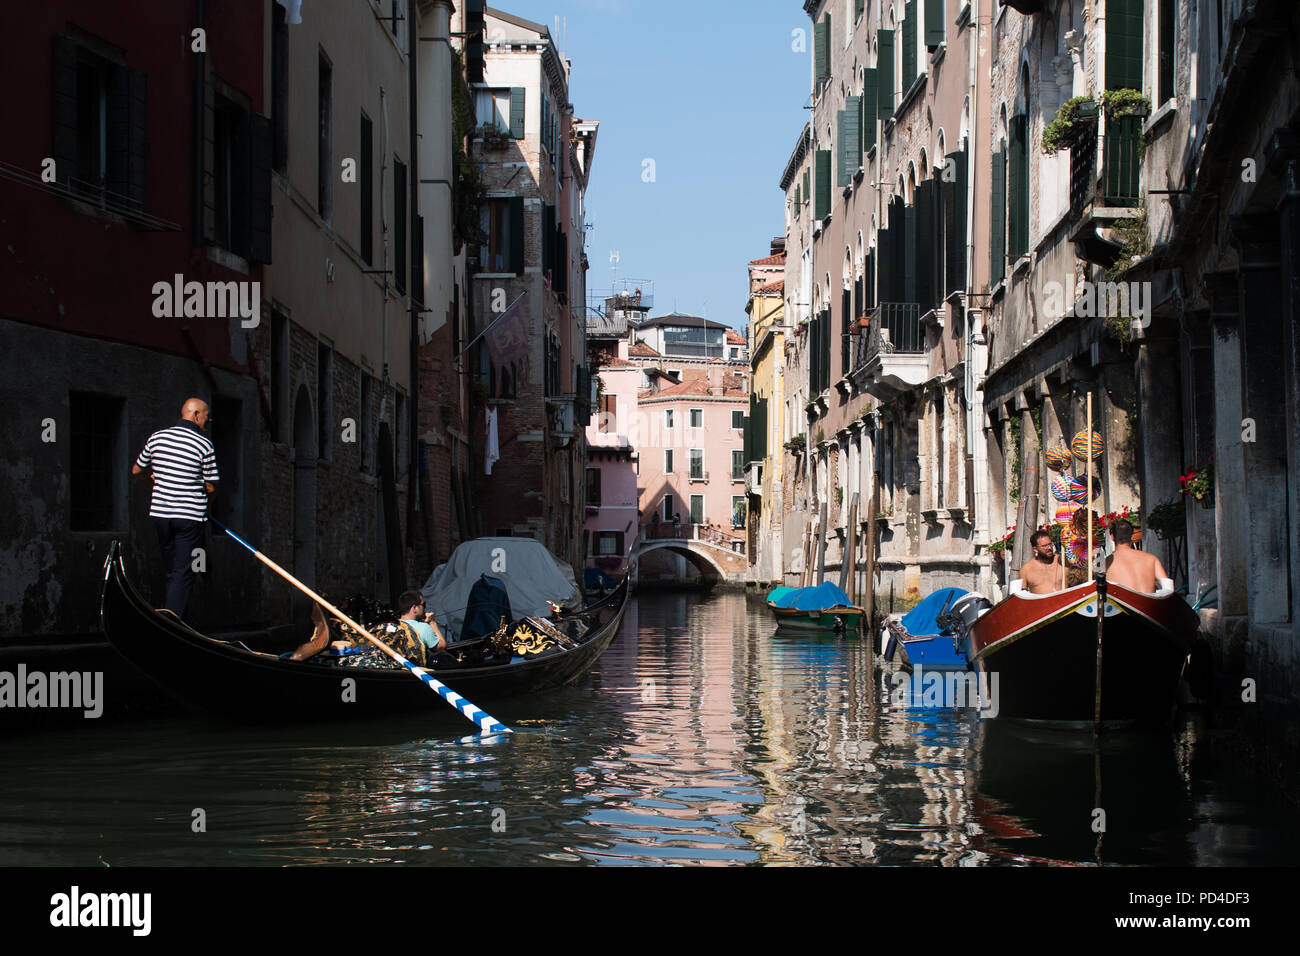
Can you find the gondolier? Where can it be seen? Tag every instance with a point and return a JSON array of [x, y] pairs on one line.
[[182, 466]]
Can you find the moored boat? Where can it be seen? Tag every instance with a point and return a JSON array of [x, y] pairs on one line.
[[823, 607], [925, 635], [1043, 650], [245, 679]]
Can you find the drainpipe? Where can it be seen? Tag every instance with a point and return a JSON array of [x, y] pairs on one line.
[[200, 96]]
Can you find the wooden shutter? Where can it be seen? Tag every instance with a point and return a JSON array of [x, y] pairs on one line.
[[366, 183], [517, 112], [997, 207], [128, 136], [934, 26], [955, 223], [821, 53], [823, 177], [64, 98], [399, 224], [548, 242], [869, 282], [870, 91], [885, 264], [1124, 44], [909, 46], [924, 245], [515, 210], [259, 188], [849, 144], [210, 161], [885, 73], [909, 255], [562, 264], [807, 185], [1017, 188], [858, 7]]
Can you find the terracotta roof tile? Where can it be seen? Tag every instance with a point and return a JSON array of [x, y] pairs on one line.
[[775, 260], [641, 350], [734, 337], [771, 288]]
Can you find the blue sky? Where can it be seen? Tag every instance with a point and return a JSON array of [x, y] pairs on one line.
[[715, 95]]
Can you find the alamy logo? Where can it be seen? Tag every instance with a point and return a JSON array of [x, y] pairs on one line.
[[1106, 300], [208, 300], [75, 690], [74, 908], [945, 689]]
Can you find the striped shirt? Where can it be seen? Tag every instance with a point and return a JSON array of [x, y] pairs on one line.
[[182, 459]]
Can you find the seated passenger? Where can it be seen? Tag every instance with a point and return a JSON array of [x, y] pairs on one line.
[[416, 637], [1041, 573], [1131, 568]]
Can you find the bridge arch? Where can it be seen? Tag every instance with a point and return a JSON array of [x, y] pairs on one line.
[[710, 567]]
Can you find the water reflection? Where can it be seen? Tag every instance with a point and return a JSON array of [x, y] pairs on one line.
[[702, 738]]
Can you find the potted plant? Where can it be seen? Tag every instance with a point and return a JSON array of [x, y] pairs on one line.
[[1125, 102], [493, 136], [1168, 519], [998, 549], [1069, 124], [1198, 483], [1131, 517], [796, 444]]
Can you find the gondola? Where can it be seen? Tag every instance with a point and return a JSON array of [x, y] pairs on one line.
[[236, 679], [1043, 649]]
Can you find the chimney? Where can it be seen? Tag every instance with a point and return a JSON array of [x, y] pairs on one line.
[[714, 378], [622, 349]]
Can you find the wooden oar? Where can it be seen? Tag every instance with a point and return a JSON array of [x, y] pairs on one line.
[[485, 722], [1101, 620]]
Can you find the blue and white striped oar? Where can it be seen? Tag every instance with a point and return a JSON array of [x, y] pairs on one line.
[[484, 721]]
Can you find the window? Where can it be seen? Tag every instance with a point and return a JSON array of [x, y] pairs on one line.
[[324, 138], [675, 373], [607, 421], [502, 222], [697, 464], [100, 130], [593, 487], [668, 418], [609, 543], [97, 474], [492, 108], [325, 400], [366, 181], [668, 461], [737, 418], [669, 504], [399, 224], [737, 464], [739, 509], [1165, 63], [237, 196], [697, 509], [697, 418]]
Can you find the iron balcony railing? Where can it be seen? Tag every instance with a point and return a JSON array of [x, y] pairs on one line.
[[1121, 165], [892, 327]]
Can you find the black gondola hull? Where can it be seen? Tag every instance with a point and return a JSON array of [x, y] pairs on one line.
[[227, 679]]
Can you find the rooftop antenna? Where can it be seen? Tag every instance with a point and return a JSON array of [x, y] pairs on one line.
[[614, 258]]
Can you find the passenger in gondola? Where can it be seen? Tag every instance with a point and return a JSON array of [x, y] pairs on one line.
[[416, 636], [1132, 568], [1041, 573]]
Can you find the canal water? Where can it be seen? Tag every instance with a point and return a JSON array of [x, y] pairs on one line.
[[701, 737]]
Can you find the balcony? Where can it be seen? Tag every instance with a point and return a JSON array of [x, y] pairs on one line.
[[889, 354], [1105, 186], [754, 478], [561, 421]]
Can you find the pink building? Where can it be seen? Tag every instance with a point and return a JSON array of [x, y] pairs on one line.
[[691, 443], [611, 516]]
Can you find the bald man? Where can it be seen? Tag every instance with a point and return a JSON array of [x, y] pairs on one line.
[[181, 464]]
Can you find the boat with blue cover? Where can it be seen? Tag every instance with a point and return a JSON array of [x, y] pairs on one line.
[[823, 607], [926, 634]]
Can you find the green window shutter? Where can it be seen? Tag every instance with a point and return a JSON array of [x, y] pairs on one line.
[[850, 143], [516, 213], [858, 7], [823, 178], [517, 112], [909, 46], [885, 73], [909, 255], [870, 87], [821, 52], [807, 185], [1018, 188], [884, 264], [934, 22], [1124, 44], [64, 98], [842, 175], [997, 248], [954, 224], [924, 242], [869, 282]]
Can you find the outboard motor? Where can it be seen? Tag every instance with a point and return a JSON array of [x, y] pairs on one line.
[[965, 611]]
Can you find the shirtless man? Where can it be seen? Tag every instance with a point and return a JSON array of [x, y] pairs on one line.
[[1131, 568], [1042, 573]]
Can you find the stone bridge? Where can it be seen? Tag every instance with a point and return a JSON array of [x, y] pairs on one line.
[[716, 561]]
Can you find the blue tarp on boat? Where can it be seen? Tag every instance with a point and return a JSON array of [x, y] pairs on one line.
[[776, 594], [816, 598], [920, 621]]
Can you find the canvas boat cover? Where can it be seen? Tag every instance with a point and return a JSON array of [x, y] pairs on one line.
[[817, 598], [530, 573], [920, 621]]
